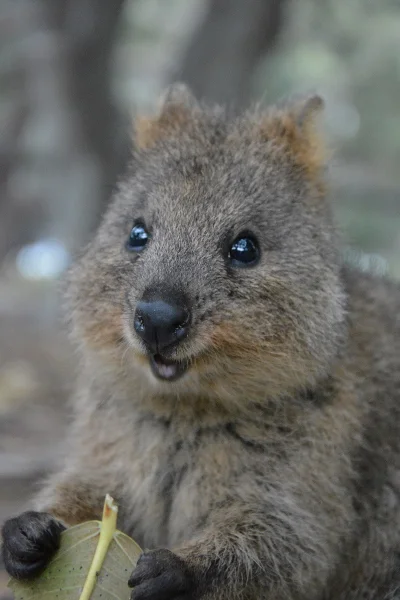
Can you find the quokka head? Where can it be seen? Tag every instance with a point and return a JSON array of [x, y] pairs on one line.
[[215, 271]]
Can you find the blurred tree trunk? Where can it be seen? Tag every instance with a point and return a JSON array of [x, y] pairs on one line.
[[89, 28], [72, 142], [226, 48], [86, 32]]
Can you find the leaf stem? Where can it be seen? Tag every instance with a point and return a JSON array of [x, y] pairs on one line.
[[108, 527]]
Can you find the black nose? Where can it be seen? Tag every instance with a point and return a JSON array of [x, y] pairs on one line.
[[161, 324]]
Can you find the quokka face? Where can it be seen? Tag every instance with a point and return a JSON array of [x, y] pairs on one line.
[[215, 271]]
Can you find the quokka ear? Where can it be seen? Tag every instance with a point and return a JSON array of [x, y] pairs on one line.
[[178, 94], [294, 127], [175, 108], [305, 109]]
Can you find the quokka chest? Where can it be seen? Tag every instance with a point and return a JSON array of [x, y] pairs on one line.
[[172, 483]]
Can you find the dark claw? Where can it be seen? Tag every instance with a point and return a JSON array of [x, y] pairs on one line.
[[160, 575], [29, 543]]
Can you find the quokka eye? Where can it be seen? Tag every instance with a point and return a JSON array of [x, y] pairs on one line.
[[138, 238], [244, 252]]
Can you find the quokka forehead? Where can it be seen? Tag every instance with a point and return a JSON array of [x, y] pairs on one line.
[[225, 198]]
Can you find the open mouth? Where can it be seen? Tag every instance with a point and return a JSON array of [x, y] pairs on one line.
[[167, 370]]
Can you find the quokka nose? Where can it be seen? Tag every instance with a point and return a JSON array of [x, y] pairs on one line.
[[161, 324]]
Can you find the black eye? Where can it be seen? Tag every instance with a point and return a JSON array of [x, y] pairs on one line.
[[138, 238], [244, 251]]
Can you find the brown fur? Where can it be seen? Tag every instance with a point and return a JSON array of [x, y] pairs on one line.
[[273, 466], [149, 131], [302, 142]]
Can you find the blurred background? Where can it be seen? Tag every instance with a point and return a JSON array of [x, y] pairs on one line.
[[72, 74]]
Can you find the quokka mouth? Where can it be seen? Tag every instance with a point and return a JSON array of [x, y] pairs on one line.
[[167, 370]]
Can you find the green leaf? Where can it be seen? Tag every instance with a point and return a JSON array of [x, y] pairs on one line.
[[94, 561]]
